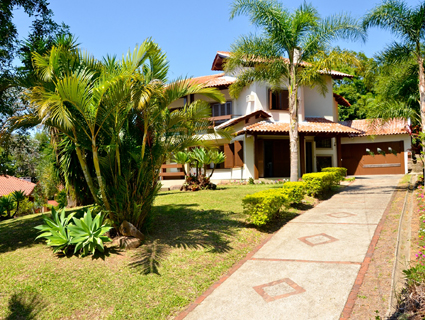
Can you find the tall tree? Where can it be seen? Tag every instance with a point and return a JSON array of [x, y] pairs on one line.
[[408, 25], [292, 51]]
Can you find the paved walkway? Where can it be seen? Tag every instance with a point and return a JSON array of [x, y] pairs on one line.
[[308, 268]]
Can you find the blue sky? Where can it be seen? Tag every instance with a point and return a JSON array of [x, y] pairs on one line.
[[189, 31]]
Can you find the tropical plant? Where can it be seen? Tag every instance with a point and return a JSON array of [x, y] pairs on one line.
[[114, 116], [17, 196], [88, 234], [293, 51], [408, 25], [55, 230], [7, 204]]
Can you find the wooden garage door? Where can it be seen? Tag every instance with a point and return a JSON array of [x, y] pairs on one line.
[[360, 161]]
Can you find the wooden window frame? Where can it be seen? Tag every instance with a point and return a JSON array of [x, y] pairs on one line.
[[282, 101], [228, 109]]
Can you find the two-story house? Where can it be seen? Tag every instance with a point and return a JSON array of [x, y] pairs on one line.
[[260, 121]]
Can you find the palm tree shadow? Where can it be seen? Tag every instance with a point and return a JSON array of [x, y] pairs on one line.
[[182, 226], [24, 305]]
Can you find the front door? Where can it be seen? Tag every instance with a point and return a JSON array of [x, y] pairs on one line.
[[276, 158]]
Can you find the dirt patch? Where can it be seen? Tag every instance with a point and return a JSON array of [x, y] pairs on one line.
[[374, 295]]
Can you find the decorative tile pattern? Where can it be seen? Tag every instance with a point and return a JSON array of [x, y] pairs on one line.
[[341, 214], [278, 289], [318, 239]]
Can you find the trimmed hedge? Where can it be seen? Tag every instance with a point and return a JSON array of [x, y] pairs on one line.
[[264, 205], [319, 182], [340, 172], [295, 191]]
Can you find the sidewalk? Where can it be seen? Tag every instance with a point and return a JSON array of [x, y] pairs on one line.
[[308, 268]]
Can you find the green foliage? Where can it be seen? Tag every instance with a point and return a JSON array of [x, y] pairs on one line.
[[7, 204], [62, 199], [318, 182], [251, 180], [25, 207], [264, 205], [55, 231], [295, 191], [415, 275], [88, 233], [340, 173]]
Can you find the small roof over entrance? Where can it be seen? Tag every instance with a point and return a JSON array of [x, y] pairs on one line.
[[310, 125]]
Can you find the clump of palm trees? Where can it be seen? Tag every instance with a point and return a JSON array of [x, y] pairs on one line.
[[111, 119], [200, 159]]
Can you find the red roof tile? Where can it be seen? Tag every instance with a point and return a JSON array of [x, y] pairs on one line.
[[378, 127], [310, 125], [221, 55], [258, 113], [215, 80], [8, 184], [341, 100]]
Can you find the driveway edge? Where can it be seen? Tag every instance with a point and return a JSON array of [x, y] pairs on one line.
[[352, 297]]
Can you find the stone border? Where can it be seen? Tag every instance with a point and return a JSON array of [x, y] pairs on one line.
[[352, 297]]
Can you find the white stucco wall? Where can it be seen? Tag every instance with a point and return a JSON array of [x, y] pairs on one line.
[[317, 105]]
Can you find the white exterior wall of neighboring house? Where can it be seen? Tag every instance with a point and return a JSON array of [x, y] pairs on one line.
[[318, 105], [407, 142]]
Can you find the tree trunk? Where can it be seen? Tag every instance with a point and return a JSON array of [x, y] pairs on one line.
[[87, 175], [99, 177], [17, 208], [293, 126], [422, 95]]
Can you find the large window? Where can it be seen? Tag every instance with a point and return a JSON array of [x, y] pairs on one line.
[[221, 109], [278, 100]]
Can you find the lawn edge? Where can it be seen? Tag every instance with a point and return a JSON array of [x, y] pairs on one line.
[[183, 314]]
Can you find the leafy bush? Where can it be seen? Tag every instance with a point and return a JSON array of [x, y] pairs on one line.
[[264, 205], [295, 191], [340, 172], [86, 233], [318, 182], [251, 180], [61, 199], [25, 207]]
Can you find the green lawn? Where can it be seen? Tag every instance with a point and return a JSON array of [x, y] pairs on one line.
[[193, 240]]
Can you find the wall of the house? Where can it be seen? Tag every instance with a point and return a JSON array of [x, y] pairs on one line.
[[317, 105]]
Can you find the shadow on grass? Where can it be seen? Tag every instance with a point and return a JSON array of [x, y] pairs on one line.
[[19, 233], [184, 226], [25, 305]]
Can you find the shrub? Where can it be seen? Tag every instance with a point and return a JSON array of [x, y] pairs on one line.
[[340, 172], [61, 199], [295, 191], [264, 205], [85, 234], [251, 180], [318, 182], [25, 207]]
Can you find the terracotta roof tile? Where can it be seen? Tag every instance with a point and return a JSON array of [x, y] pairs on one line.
[[378, 127], [341, 100], [310, 125], [218, 60], [8, 184], [215, 80]]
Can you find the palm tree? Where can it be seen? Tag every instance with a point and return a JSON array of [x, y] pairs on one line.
[[115, 114], [17, 196], [279, 55], [408, 25]]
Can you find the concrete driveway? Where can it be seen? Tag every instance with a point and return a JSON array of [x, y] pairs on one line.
[[308, 269]]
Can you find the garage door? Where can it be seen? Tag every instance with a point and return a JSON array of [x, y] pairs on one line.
[[373, 158]]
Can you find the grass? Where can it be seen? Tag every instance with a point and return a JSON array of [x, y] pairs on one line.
[[194, 238]]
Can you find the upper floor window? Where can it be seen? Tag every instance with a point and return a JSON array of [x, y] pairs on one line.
[[221, 109], [278, 100], [324, 143]]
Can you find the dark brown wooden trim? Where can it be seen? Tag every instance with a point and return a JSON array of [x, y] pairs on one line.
[[302, 153], [338, 151]]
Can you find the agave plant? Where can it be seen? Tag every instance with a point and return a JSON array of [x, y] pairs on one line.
[[88, 233], [55, 231]]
